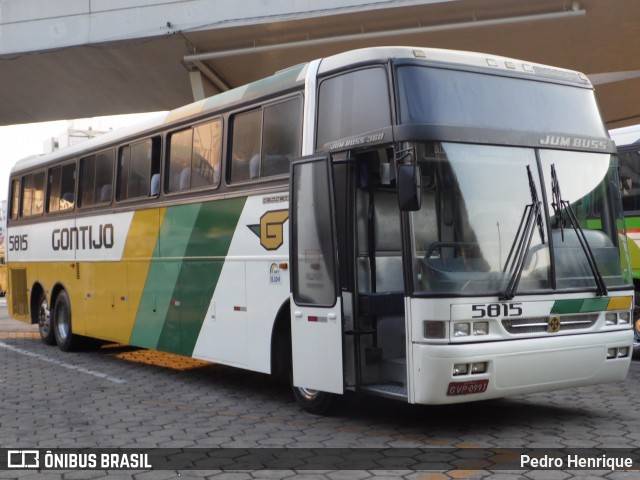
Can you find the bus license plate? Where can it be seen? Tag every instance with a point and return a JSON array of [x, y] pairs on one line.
[[467, 388]]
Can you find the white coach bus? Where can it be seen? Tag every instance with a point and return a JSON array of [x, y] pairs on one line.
[[407, 222]]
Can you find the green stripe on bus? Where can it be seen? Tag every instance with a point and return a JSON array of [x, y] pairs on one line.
[[632, 222], [580, 305], [204, 257], [160, 287]]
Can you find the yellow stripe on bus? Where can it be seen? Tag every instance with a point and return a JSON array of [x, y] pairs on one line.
[[620, 303]]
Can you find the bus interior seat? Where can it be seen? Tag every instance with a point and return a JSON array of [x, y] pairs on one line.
[[185, 179], [275, 165], [68, 197], [254, 167], [105, 193], [202, 177], [155, 185]]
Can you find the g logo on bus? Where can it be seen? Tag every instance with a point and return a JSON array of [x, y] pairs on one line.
[[553, 324], [271, 229]]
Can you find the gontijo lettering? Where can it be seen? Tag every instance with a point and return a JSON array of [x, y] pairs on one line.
[[86, 237]]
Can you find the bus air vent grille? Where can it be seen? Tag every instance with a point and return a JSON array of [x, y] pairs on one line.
[[546, 325]]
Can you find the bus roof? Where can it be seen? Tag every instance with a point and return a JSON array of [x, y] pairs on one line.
[[626, 136], [294, 77]]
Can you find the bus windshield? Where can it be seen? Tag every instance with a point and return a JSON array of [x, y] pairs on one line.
[[441, 96], [476, 204]]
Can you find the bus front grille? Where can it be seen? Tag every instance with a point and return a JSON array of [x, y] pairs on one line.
[[549, 324]]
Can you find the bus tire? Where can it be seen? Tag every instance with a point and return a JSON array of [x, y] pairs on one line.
[[314, 401], [62, 325], [45, 325]]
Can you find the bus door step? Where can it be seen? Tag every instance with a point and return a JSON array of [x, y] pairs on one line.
[[394, 371], [397, 392]]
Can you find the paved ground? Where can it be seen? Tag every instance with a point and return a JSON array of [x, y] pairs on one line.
[[126, 397]]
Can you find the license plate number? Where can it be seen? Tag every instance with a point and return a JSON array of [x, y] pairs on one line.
[[467, 388]]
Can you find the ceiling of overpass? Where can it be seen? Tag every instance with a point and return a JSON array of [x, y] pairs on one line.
[[598, 38]]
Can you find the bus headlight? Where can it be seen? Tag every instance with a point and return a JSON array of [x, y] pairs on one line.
[[480, 328], [624, 318], [610, 318], [461, 329]]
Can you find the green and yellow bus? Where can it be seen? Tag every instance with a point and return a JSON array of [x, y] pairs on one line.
[[628, 144], [404, 222]]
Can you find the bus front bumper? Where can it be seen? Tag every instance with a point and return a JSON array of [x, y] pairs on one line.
[[516, 367]]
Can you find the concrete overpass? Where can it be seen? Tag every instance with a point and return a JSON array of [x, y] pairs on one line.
[[82, 58]]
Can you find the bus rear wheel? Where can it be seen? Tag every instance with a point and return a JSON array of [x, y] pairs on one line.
[[45, 326], [62, 326]]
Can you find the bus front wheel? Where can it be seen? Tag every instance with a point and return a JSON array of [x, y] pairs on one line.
[[45, 327], [314, 401], [62, 326]]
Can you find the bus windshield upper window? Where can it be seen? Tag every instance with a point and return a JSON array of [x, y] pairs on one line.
[[442, 97], [353, 103]]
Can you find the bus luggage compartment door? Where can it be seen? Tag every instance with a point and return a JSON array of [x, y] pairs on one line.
[[316, 315]]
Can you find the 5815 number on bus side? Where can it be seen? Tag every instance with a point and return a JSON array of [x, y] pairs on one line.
[[18, 243]]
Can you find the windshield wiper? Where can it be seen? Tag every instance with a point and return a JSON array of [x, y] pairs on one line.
[[531, 216], [561, 206]]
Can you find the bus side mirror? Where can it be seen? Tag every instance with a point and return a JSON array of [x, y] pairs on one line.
[[409, 181]]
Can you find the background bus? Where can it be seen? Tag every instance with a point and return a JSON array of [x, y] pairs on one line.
[[628, 143], [405, 222]]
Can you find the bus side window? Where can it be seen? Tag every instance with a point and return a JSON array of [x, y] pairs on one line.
[[281, 136], [630, 180], [15, 198], [265, 140], [33, 194], [137, 163], [194, 157], [245, 146], [96, 178], [61, 192]]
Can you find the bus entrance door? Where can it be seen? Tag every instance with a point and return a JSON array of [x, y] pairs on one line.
[[316, 315]]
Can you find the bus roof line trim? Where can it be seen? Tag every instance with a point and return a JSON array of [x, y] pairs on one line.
[[280, 82], [484, 61]]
